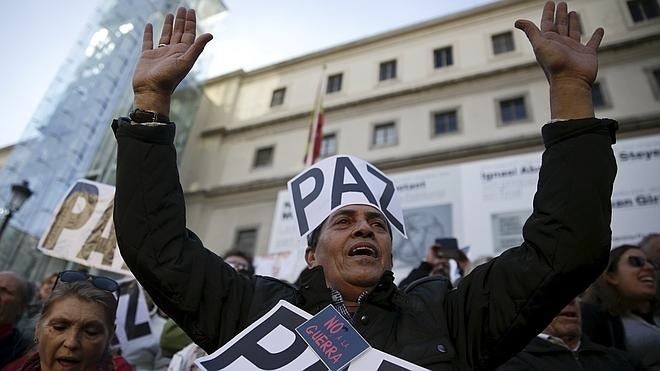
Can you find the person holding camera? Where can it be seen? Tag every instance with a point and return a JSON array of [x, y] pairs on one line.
[[437, 261]]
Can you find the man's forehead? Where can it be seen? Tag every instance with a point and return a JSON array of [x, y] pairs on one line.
[[353, 209]]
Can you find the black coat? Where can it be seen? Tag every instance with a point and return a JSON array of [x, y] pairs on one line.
[[423, 270], [602, 327], [542, 355], [489, 317]]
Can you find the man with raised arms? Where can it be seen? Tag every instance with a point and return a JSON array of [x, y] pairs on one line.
[[489, 317]]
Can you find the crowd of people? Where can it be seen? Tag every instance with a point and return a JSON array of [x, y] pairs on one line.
[[563, 299], [613, 325]]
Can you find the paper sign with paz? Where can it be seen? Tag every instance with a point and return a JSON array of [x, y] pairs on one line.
[[133, 330], [271, 343], [338, 181], [82, 229]]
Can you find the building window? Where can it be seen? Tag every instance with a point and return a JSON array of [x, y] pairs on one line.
[[598, 96], [654, 76], [263, 157], [512, 110], [246, 240], [278, 97], [387, 70], [384, 135], [502, 43], [443, 57], [643, 10], [445, 122], [334, 83], [329, 145]]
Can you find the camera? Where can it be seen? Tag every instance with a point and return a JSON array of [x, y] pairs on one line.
[[446, 248]]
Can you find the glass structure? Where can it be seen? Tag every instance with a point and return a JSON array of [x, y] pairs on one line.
[[69, 135]]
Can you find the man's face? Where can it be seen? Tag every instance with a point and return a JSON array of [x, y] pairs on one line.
[[354, 249], [11, 302], [567, 323]]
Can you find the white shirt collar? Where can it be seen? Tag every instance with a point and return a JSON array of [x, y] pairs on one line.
[[558, 341]]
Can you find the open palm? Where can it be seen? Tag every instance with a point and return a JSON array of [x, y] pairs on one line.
[[160, 70], [557, 45]]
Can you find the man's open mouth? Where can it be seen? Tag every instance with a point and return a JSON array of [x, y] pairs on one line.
[[363, 250]]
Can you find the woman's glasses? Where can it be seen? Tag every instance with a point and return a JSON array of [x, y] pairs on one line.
[[103, 283], [640, 261]]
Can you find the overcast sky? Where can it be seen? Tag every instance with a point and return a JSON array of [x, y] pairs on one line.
[[39, 34]]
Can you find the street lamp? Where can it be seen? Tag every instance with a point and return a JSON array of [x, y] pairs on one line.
[[19, 194]]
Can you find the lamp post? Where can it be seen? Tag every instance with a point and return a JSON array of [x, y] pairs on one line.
[[19, 194]]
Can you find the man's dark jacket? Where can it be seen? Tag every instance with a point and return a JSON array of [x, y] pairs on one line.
[[542, 355], [491, 315]]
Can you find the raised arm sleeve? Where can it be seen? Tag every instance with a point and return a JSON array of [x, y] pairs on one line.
[[501, 305], [190, 283]]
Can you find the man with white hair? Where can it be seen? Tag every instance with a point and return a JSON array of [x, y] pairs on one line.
[[563, 346]]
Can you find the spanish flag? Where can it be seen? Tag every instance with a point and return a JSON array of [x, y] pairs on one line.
[[315, 134]]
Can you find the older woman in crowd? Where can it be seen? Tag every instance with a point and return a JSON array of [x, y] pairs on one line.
[[76, 325], [620, 308]]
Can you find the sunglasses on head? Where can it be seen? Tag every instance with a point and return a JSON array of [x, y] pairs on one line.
[[103, 283], [640, 261]]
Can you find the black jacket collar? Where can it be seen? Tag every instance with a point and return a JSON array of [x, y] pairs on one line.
[[316, 295]]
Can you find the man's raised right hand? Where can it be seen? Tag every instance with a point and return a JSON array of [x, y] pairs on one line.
[[159, 70]]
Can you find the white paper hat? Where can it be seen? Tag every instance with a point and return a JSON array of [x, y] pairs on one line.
[[338, 181]]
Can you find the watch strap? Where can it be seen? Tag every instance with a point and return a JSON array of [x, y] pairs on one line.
[[141, 116]]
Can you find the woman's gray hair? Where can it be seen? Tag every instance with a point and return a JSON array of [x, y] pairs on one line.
[[86, 291]]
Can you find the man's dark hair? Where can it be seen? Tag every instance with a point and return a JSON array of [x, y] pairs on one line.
[[313, 237]]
